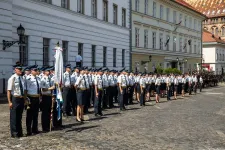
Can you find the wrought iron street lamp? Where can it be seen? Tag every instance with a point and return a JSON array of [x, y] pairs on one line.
[[20, 32]]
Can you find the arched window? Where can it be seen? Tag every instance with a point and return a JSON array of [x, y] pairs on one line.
[[216, 31], [223, 31]]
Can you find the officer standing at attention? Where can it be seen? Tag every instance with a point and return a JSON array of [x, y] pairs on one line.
[[98, 82], [168, 87], [87, 91], [105, 88], [81, 87], [16, 97], [122, 89], [33, 93], [131, 84], [142, 86], [111, 88], [74, 77], [46, 90], [67, 91]]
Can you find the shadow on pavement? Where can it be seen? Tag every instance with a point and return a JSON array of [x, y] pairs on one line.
[[116, 113], [80, 129]]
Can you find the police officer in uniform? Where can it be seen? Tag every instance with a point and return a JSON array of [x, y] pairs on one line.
[[131, 86], [74, 77], [98, 82], [105, 88], [81, 87], [16, 97], [142, 86], [33, 93], [111, 88], [122, 89], [46, 90], [67, 91]]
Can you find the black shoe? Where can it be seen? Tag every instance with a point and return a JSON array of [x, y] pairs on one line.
[[29, 134], [97, 115], [36, 132], [100, 114], [15, 136]]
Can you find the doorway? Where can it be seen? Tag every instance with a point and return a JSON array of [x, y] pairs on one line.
[[173, 64]]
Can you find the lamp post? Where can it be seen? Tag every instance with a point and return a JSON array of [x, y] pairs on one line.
[[178, 65], [20, 32]]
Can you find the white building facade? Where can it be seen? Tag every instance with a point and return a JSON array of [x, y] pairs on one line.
[[165, 33], [97, 29]]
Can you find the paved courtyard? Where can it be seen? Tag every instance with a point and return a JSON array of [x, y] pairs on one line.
[[193, 122]]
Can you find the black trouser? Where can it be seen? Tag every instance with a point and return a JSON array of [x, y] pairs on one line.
[[87, 100], [190, 88], [130, 95], [57, 122], [111, 94], [46, 112], [168, 92], [122, 97], [92, 95], [105, 97], [16, 116], [73, 101], [32, 115], [142, 97], [195, 88], [172, 89], [67, 96], [125, 101], [200, 87], [179, 88], [98, 102], [116, 94]]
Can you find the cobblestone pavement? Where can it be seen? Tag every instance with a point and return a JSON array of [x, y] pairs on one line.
[[193, 122]]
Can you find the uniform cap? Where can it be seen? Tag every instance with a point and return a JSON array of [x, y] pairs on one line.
[[17, 66], [34, 67], [68, 66]]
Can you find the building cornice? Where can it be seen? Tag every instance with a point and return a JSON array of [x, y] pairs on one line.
[[51, 6], [162, 21]]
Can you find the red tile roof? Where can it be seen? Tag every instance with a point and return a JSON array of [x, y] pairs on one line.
[[187, 5], [210, 8], [209, 37]]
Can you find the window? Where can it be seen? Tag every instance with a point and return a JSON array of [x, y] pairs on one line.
[[153, 40], [168, 14], [190, 22], [181, 18], [174, 43], [124, 17], [123, 57], [46, 1], [146, 38], [161, 11], [174, 17], [223, 31], [93, 56], [199, 49], [94, 8], [80, 49], [195, 27], [24, 51], [45, 52], [161, 41], [154, 9], [136, 37], [65, 4], [190, 48], [146, 7], [136, 5], [185, 45], [168, 42], [115, 14], [104, 56], [105, 10], [185, 21], [80, 6], [65, 51], [195, 49], [216, 56], [114, 57], [181, 45]]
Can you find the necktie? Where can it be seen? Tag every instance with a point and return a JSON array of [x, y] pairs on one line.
[[38, 92], [49, 81], [70, 79], [102, 81], [84, 82], [21, 87]]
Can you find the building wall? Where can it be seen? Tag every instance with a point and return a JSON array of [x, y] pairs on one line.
[[214, 56], [191, 30], [43, 20]]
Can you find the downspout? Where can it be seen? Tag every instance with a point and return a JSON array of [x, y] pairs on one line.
[[130, 1], [201, 44]]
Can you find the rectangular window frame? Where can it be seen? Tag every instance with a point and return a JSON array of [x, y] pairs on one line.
[[123, 57], [146, 6], [154, 9], [174, 17], [137, 37], [65, 51], [114, 57], [23, 51], [93, 53], [104, 56], [154, 40], [65, 4], [94, 12], [80, 6], [137, 3], [146, 38], [115, 14], [105, 10], [168, 14], [161, 41], [161, 12], [123, 17], [46, 46], [174, 43]]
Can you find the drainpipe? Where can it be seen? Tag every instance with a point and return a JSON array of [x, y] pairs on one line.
[[130, 1]]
